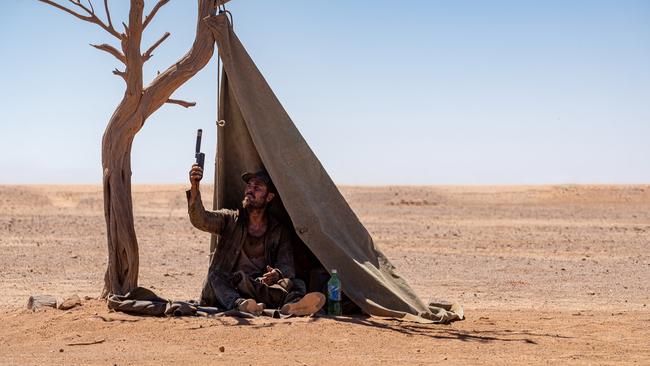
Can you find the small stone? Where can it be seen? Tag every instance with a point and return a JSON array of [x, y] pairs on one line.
[[222, 349], [69, 303], [60, 349]]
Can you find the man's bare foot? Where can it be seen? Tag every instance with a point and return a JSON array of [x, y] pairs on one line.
[[250, 306], [309, 304]]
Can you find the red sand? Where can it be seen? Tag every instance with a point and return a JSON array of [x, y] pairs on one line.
[[557, 274]]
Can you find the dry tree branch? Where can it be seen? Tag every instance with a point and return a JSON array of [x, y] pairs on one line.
[[119, 73], [61, 7], [161, 88], [91, 17], [147, 55], [108, 14], [131, 48], [153, 12], [180, 102], [90, 11], [112, 50]]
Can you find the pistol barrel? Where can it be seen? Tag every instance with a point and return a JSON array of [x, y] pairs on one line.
[[199, 133]]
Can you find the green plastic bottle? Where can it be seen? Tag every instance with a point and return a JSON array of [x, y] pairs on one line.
[[334, 294]]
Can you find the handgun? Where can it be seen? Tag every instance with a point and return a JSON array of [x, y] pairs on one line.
[[200, 157]]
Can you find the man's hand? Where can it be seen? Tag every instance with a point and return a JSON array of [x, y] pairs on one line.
[[271, 277], [196, 173]]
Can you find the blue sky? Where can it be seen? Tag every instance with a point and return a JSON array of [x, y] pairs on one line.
[[411, 92]]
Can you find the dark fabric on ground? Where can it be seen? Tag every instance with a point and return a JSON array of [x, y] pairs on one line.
[[142, 301]]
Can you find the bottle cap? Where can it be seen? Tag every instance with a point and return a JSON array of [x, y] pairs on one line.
[[334, 271]]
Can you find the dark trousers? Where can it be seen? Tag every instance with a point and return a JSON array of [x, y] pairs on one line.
[[224, 289]]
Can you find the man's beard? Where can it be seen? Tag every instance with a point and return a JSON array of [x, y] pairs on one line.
[[250, 203]]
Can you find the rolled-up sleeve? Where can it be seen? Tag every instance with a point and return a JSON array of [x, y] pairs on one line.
[[211, 221]]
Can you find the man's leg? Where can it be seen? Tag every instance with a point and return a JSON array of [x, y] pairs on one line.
[[272, 296], [297, 290], [298, 303], [225, 293]]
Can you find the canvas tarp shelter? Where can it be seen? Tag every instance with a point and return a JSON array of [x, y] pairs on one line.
[[258, 133]]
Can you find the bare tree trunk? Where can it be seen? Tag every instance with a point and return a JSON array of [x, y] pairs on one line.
[[139, 102], [123, 255]]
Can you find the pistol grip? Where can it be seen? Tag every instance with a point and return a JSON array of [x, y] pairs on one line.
[[200, 159]]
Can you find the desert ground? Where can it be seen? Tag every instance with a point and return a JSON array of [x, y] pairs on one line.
[[546, 274]]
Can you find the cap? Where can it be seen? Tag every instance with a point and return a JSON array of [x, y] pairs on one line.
[[261, 175]]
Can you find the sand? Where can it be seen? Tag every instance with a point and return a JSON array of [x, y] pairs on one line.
[[547, 274]]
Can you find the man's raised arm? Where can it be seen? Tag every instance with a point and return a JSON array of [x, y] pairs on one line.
[[212, 222]]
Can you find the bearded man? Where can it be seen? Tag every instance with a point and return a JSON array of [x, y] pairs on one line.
[[252, 267]]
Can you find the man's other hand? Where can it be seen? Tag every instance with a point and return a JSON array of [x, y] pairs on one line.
[[271, 277], [196, 173]]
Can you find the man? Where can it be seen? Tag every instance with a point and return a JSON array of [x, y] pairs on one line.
[[252, 266]]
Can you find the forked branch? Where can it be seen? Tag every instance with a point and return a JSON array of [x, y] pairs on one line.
[[153, 12], [180, 102], [119, 73], [91, 17], [79, 4], [148, 53]]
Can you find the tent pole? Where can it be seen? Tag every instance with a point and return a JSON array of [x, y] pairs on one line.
[[219, 189]]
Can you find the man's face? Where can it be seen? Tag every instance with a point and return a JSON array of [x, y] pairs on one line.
[[256, 194]]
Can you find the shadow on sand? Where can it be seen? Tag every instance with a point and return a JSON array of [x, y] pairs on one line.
[[435, 331], [442, 331]]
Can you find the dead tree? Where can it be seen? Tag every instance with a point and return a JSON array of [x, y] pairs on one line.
[[138, 103]]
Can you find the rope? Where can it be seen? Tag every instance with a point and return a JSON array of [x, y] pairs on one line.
[[229, 15], [222, 9], [220, 123]]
